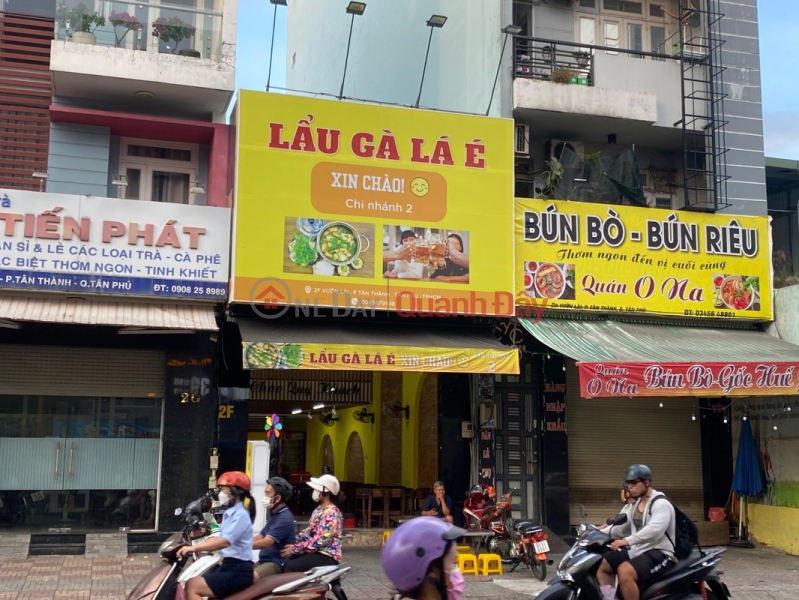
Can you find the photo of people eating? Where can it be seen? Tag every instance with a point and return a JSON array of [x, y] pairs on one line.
[[421, 253]]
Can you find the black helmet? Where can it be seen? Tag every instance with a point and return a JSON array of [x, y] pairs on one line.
[[282, 488], [638, 472]]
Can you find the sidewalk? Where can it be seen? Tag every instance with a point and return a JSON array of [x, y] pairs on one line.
[[750, 574]]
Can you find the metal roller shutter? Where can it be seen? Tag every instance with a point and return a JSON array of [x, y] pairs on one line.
[[606, 435], [62, 371]]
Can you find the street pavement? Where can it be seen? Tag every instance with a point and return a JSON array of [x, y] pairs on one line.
[[762, 573]]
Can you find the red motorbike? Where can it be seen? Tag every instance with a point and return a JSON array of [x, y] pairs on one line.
[[479, 509], [520, 542]]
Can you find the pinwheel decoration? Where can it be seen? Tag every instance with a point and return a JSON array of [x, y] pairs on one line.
[[273, 426]]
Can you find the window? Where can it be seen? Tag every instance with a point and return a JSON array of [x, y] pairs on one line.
[[663, 203], [612, 35], [656, 10], [587, 31], [635, 37], [657, 36], [158, 171], [588, 3], [623, 6]]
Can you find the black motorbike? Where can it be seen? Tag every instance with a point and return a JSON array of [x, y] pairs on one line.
[[692, 578]]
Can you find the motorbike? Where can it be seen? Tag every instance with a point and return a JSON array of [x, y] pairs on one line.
[[478, 510], [521, 542], [167, 580], [692, 578]]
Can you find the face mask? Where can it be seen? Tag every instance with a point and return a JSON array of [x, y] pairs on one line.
[[315, 495], [268, 501], [223, 498], [455, 589]]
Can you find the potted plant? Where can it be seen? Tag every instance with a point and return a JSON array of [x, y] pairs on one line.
[[582, 57], [83, 24], [562, 75], [125, 21], [174, 29]]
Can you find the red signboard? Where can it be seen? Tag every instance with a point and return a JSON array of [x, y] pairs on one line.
[[688, 379]]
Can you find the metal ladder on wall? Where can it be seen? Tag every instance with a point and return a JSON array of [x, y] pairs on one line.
[[703, 139]]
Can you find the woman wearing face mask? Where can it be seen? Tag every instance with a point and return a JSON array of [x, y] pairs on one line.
[[319, 544], [421, 560], [235, 542]]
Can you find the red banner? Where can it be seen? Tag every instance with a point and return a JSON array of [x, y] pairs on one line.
[[688, 379]]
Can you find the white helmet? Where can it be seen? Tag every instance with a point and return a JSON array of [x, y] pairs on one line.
[[325, 483]]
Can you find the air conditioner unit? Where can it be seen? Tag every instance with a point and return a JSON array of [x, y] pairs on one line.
[[522, 140], [555, 148]]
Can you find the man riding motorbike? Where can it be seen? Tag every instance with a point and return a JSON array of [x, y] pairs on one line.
[[279, 529], [642, 548]]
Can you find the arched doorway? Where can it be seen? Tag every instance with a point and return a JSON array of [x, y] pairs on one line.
[[355, 466], [328, 457]]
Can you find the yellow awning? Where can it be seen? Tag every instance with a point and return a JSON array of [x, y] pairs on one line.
[[350, 345]]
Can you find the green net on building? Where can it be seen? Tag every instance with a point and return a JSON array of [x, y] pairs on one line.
[[605, 179]]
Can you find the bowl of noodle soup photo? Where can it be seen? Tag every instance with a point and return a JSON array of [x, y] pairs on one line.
[[549, 281], [737, 293]]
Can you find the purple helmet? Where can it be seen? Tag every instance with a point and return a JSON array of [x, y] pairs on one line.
[[413, 546]]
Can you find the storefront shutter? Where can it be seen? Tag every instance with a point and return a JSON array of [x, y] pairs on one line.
[[606, 435], [62, 371]]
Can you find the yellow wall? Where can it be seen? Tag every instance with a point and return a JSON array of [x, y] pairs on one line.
[[340, 435], [775, 526]]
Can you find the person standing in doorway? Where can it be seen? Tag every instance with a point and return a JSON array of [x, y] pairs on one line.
[[438, 504]]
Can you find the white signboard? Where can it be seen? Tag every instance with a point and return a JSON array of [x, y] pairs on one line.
[[88, 245]]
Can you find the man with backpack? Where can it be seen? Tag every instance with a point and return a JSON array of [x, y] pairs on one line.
[[643, 547]]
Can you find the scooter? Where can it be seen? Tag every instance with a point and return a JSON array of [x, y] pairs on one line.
[[479, 510], [520, 542], [167, 580], [692, 578]]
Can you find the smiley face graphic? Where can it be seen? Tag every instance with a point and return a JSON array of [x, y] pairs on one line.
[[420, 187]]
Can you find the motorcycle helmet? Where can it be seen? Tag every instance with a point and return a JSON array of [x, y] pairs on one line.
[[491, 493], [234, 479], [325, 483], [413, 546], [641, 472], [282, 487]]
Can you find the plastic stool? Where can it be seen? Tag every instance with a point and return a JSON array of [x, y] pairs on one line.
[[385, 536], [467, 563], [465, 550], [484, 562]]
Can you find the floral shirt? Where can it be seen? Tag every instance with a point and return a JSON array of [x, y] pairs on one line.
[[323, 533]]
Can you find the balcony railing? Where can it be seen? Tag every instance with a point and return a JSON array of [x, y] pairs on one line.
[[566, 62], [157, 27]]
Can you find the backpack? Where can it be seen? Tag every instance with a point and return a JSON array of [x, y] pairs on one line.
[[686, 533]]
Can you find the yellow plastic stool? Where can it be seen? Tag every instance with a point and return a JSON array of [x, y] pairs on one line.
[[464, 550], [467, 563], [385, 536], [484, 562]]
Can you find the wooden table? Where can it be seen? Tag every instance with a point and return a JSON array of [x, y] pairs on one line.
[[366, 230]]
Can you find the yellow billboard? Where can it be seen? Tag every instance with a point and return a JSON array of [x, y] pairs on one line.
[[357, 205], [625, 259]]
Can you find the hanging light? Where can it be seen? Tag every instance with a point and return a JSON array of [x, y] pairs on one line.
[[725, 420], [661, 405], [745, 418], [775, 428], [693, 416]]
